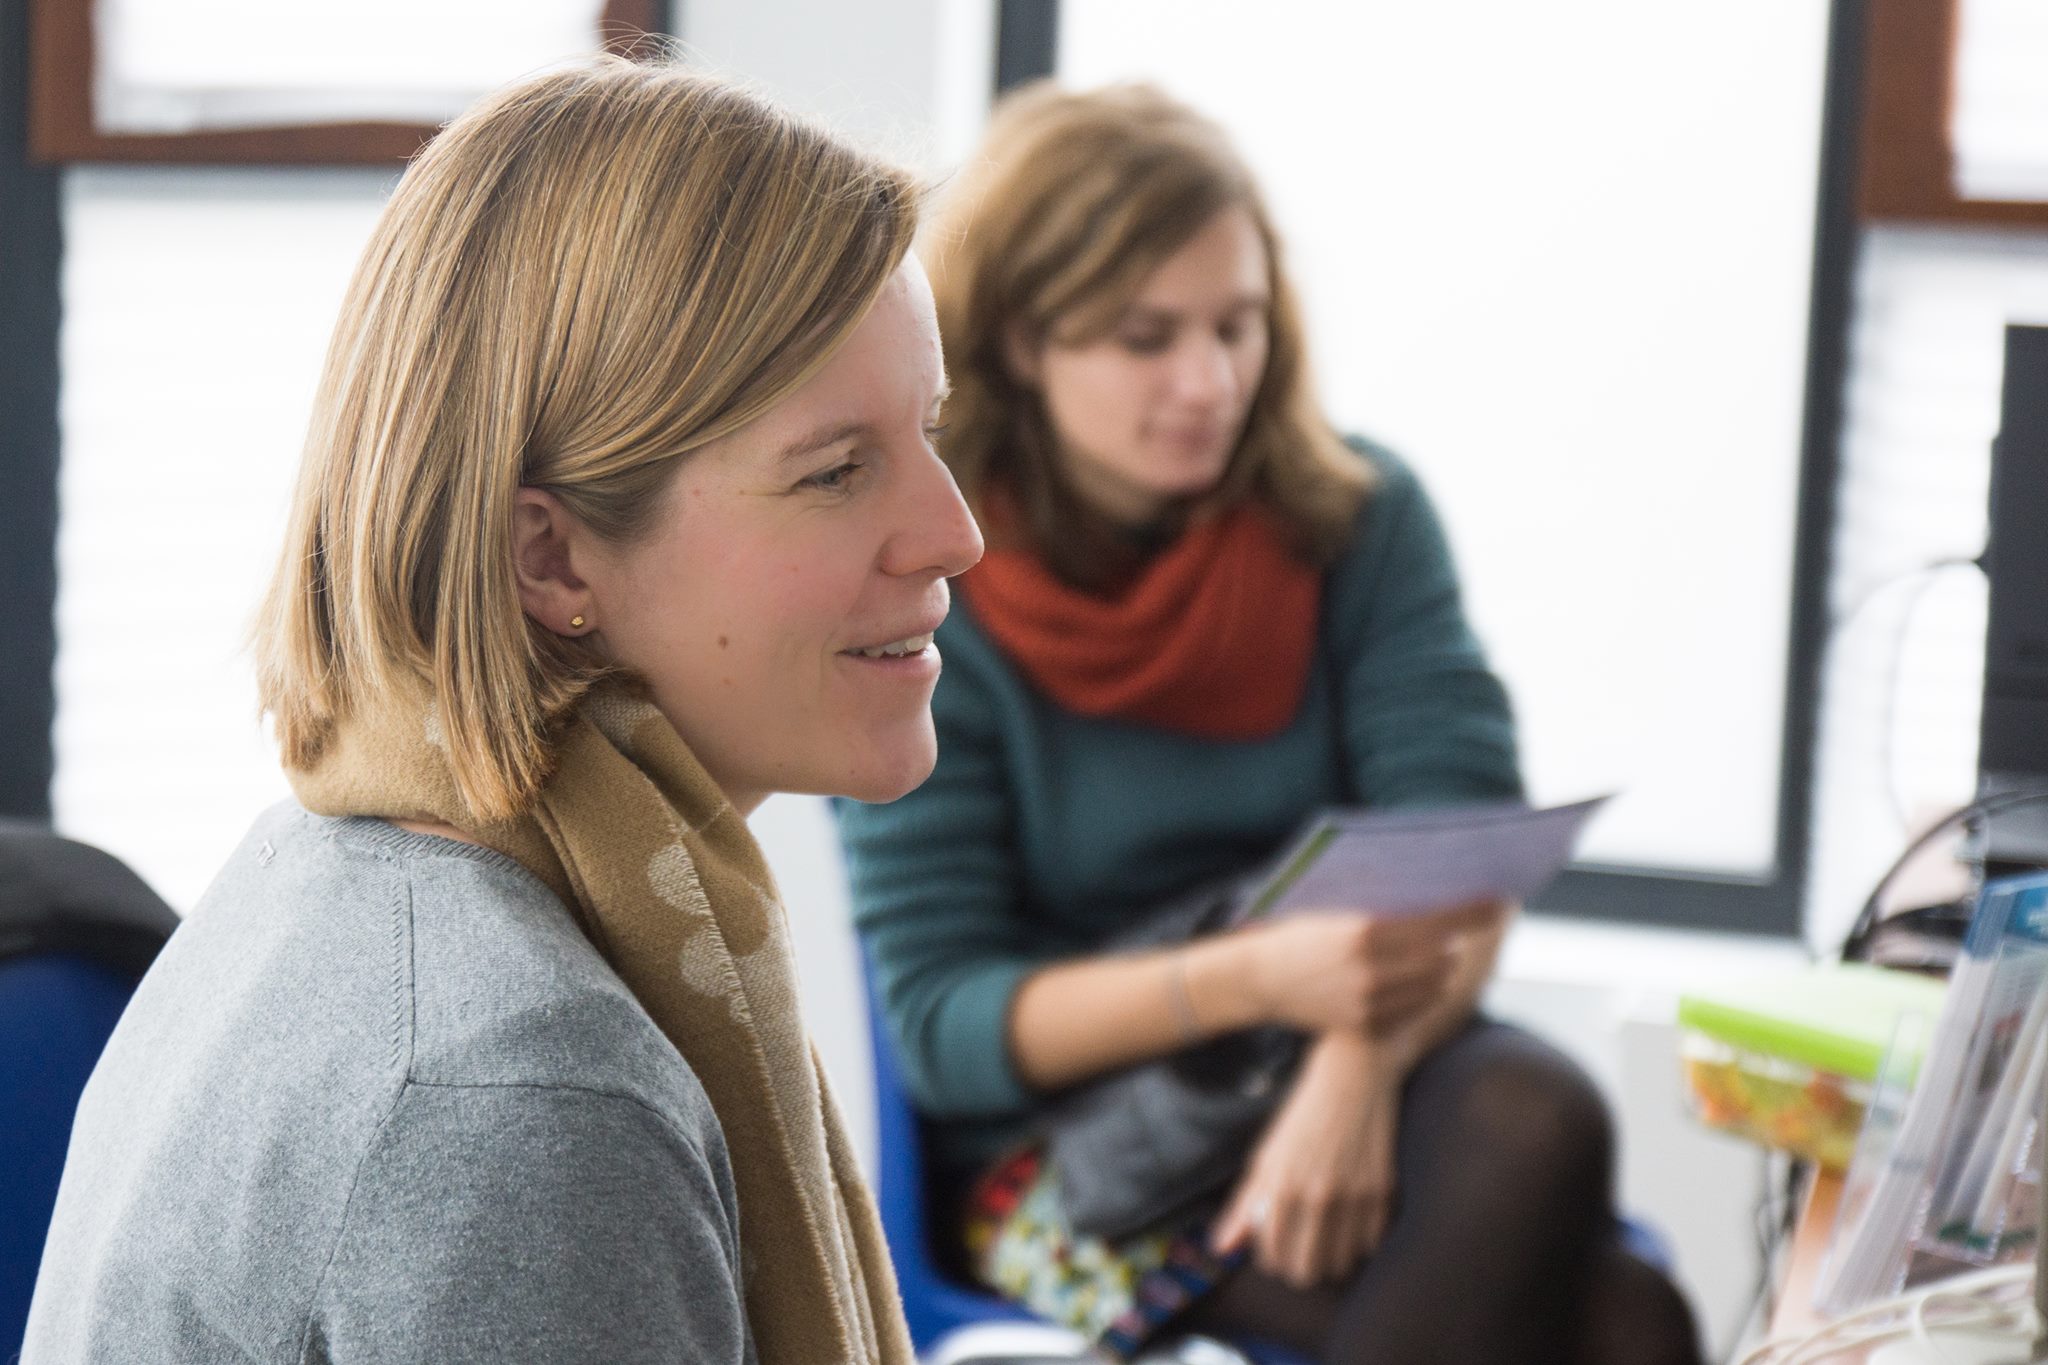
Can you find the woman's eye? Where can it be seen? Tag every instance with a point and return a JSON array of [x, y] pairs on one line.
[[1150, 344], [833, 480], [1243, 327], [933, 431]]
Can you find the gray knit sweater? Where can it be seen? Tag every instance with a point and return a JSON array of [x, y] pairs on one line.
[[379, 1100]]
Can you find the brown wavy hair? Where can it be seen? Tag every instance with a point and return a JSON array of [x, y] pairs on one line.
[[578, 282], [1047, 235]]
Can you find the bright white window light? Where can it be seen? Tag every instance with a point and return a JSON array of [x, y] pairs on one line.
[[1999, 130], [180, 66], [1559, 256], [197, 308]]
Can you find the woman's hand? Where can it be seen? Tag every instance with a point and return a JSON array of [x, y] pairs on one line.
[[1357, 973], [1315, 1197]]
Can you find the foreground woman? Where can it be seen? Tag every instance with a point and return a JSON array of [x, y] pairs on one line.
[[618, 515]]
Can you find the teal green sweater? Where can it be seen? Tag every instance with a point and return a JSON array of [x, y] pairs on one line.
[[1043, 833]]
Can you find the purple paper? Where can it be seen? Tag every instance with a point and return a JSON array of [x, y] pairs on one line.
[[1404, 862]]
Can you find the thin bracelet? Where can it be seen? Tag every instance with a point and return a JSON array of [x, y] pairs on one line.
[[1177, 995]]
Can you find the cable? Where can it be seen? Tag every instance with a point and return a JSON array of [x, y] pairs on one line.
[[1918, 1315], [1772, 1220], [1867, 918], [1922, 579], [1846, 617]]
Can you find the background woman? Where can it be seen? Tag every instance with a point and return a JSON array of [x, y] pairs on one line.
[[618, 513], [1201, 618]]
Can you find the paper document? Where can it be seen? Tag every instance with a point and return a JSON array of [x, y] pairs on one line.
[[1404, 862]]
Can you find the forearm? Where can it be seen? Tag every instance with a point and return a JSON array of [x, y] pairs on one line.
[[1081, 1018], [1321, 973], [1475, 955], [1341, 1061]]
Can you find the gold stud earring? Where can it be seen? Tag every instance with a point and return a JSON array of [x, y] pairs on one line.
[[575, 623]]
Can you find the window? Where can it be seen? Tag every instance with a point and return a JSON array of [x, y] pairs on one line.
[[1563, 257]]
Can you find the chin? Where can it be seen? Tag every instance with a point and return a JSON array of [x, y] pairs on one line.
[[884, 776], [1188, 482]]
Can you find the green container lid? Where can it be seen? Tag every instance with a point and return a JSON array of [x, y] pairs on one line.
[[1836, 1017]]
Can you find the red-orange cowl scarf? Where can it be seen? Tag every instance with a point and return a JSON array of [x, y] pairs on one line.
[[1213, 637]]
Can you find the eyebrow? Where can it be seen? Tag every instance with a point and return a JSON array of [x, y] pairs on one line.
[[833, 433], [1139, 312], [817, 440]]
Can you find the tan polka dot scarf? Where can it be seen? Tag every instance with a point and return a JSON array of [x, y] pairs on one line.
[[667, 881]]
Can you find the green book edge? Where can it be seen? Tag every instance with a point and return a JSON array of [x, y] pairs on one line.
[[1306, 852], [1837, 1017]]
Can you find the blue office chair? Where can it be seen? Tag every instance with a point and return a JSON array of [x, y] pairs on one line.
[[77, 931], [1646, 1243], [933, 1303]]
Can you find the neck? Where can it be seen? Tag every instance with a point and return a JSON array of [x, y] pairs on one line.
[[1116, 504], [437, 828]]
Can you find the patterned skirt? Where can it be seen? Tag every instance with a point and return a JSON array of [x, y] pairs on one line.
[[1119, 1294]]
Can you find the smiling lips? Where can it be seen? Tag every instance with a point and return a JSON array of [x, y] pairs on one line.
[[1195, 437], [895, 649]]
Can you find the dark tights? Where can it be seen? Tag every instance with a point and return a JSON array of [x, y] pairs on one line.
[[1503, 1244]]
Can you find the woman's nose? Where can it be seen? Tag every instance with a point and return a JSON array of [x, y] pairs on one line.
[[1203, 372], [937, 534]]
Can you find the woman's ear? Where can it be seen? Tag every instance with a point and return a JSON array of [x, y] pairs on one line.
[[1021, 350], [549, 548]]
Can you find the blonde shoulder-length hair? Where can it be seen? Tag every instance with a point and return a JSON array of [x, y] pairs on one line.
[[1046, 237], [575, 284]]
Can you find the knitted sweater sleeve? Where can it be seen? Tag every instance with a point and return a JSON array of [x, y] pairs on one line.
[[935, 882], [1424, 719], [534, 1223]]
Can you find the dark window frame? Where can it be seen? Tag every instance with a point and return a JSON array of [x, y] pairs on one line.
[[1859, 31], [30, 267], [1908, 160], [60, 118]]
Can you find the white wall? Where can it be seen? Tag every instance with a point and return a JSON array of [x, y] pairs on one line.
[[197, 305], [1558, 255], [910, 76]]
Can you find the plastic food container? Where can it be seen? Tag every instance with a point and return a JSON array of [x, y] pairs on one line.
[[1788, 1061]]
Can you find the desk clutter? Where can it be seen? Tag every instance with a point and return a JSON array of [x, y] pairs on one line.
[[1928, 1095], [1945, 1176], [1790, 1061]]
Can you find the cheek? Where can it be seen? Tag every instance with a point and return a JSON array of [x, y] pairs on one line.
[[792, 603], [1105, 399], [694, 610], [1252, 365]]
